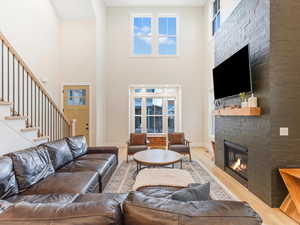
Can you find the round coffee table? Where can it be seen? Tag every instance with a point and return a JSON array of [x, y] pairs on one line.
[[156, 158]]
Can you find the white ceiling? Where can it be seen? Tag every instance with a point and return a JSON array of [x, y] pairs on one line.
[[83, 9], [74, 9], [155, 2]]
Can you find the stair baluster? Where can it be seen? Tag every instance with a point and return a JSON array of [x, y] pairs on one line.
[[28, 97]]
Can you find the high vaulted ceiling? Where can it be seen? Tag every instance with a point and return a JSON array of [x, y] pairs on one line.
[[74, 9], [155, 2], [83, 9]]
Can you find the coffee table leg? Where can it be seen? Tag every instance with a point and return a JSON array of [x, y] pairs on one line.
[[180, 164]]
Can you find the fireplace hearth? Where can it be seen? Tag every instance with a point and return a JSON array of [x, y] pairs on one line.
[[236, 161]]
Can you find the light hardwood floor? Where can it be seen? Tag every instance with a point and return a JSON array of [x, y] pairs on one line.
[[270, 216]]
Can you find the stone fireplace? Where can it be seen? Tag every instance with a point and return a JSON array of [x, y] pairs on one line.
[[236, 161], [275, 75]]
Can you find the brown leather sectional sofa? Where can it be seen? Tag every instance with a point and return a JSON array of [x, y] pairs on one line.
[[60, 183]]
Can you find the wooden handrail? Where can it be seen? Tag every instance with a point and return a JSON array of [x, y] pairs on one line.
[[31, 74]]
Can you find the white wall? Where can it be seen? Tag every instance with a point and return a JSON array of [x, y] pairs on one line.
[[83, 49], [227, 6], [101, 74], [11, 140], [78, 59], [33, 29], [185, 70]]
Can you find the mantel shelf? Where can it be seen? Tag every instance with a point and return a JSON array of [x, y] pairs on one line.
[[247, 111]]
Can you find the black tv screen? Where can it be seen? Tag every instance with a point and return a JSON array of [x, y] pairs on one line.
[[233, 76]]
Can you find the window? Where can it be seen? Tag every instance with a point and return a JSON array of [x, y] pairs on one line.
[[77, 97], [142, 35], [138, 115], [154, 115], [216, 24], [171, 115], [162, 42], [155, 110], [167, 40]]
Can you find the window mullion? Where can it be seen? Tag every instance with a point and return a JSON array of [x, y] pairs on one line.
[[155, 33], [132, 114], [165, 115], [164, 96], [144, 115], [175, 115]]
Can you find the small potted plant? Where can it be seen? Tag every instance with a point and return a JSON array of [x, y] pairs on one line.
[[243, 97]]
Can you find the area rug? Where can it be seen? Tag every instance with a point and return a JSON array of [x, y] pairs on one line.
[[123, 179]]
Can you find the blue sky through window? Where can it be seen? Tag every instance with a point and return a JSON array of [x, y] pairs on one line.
[[142, 36], [167, 42], [143, 39]]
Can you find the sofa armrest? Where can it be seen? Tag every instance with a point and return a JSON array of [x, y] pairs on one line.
[[141, 209], [104, 150], [91, 212]]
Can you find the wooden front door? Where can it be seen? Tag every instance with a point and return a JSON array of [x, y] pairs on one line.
[[76, 106]]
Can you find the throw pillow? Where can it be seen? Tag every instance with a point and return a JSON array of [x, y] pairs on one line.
[[138, 139], [195, 192], [177, 139]]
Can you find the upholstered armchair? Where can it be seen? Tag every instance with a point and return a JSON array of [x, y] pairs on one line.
[[178, 143], [136, 143]]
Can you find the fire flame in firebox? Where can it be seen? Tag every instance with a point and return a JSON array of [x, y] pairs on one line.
[[238, 165]]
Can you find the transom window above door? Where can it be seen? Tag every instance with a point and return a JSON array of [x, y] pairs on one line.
[[155, 111], [154, 35]]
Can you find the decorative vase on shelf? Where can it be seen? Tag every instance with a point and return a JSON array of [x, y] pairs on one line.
[[244, 104], [252, 101]]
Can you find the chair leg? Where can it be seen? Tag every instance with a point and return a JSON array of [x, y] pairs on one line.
[[190, 156], [127, 158]]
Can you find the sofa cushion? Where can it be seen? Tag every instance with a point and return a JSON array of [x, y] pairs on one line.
[[158, 191], [97, 165], [176, 139], [77, 145], [138, 139], [100, 212], [101, 197], [195, 192], [45, 198], [8, 182], [31, 165], [60, 153], [132, 149], [83, 182], [179, 148], [140, 209], [97, 156]]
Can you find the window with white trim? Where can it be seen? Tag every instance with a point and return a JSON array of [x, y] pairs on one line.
[[142, 35], [167, 35], [154, 36], [155, 110], [216, 23]]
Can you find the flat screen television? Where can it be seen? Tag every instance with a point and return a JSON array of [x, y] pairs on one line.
[[233, 76]]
